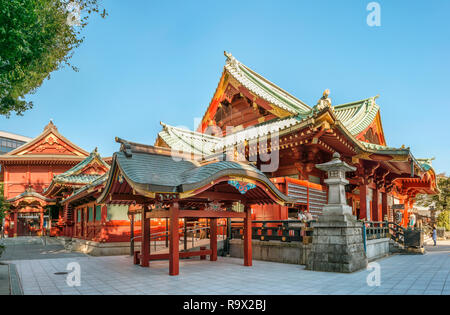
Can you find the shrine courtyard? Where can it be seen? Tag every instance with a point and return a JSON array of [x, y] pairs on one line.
[[400, 274]]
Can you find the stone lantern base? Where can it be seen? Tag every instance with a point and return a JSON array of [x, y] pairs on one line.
[[337, 244]]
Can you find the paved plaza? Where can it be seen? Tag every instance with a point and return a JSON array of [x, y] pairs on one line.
[[400, 274]]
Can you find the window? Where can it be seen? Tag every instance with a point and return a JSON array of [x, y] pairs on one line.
[[98, 213], [79, 216], [91, 214]]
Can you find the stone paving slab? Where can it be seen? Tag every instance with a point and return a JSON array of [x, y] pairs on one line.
[[4, 280], [28, 248], [400, 274]]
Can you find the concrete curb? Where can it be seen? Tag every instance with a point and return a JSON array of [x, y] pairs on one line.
[[15, 286]]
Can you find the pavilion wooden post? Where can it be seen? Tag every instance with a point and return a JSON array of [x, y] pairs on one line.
[[41, 223], [132, 234], [174, 255], [375, 205], [363, 201], [384, 206], [248, 236], [15, 223], [145, 237], [213, 239]]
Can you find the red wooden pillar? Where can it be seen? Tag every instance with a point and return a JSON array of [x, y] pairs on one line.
[[174, 255], [384, 206], [363, 201], [16, 214], [145, 237], [41, 222], [213, 239], [248, 236], [104, 216]]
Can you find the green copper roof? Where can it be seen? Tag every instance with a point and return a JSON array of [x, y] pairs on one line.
[[426, 163], [74, 176], [357, 116], [98, 181], [264, 88], [384, 149], [188, 141]]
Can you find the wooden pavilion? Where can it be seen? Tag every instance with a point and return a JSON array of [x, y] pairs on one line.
[[179, 186]]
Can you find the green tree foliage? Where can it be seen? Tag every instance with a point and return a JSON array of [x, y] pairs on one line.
[[443, 219], [3, 205], [37, 37]]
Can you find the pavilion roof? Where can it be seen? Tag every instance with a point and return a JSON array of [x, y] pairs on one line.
[[97, 183], [83, 173], [76, 174], [30, 194], [148, 171]]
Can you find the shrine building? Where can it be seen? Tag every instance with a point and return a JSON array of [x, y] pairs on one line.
[[250, 118]]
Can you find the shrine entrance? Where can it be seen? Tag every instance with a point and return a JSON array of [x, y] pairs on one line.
[[180, 187], [28, 224], [27, 213]]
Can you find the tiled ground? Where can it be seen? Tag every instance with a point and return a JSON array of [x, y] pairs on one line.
[[400, 274], [27, 248]]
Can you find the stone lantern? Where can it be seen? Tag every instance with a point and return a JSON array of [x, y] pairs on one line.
[[337, 236], [337, 203]]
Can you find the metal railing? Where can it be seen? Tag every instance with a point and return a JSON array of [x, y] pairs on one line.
[[276, 230], [383, 229], [376, 230]]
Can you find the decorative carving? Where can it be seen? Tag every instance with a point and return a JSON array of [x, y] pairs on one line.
[[241, 186], [324, 101]]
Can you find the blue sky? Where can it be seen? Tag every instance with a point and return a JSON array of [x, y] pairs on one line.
[[152, 61]]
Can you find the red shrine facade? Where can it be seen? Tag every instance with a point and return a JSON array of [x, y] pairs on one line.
[[27, 171]]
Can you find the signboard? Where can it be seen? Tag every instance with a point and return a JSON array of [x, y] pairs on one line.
[[398, 207]]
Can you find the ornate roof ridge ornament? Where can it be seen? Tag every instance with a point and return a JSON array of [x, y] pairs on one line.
[[324, 101], [50, 126], [231, 59]]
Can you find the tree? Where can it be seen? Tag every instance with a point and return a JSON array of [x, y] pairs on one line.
[[37, 37], [443, 220], [441, 201], [4, 206]]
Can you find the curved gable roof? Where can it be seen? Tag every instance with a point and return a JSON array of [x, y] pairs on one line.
[[262, 87], [58, 141]]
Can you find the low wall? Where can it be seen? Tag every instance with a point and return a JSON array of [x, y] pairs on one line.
[[376, 249], [102, 249], [276, 251], [296, 252]]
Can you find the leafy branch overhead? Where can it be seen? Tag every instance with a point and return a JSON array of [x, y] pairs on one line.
[[37, 37]]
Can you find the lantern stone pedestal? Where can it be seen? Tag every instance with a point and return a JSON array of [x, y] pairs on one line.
[[337, 239]]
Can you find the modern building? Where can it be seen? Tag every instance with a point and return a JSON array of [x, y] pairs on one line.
[[10, 141]]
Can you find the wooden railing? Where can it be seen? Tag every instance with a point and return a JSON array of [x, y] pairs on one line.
[[276, 230]]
